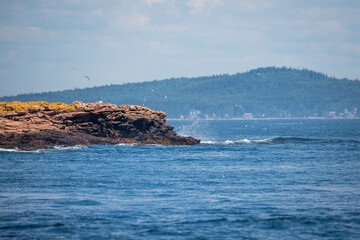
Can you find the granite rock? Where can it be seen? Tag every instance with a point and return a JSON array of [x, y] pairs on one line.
[[87, 123]]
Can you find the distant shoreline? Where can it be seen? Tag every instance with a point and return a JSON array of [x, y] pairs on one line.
[[256, 119]]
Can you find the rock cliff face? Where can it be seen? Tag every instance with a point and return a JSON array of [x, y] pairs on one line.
[[41, 126]]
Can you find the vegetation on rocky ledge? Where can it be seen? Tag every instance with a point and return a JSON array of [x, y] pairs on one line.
[[17, 106]]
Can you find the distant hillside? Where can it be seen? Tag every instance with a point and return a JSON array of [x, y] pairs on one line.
[[263, 92]]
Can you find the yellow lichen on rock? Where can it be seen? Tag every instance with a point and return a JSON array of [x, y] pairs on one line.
[[17, 106], [58, 106]]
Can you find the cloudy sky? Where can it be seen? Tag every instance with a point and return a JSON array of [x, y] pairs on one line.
[[48, 45]]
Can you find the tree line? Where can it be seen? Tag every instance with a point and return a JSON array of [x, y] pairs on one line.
[[263, 92]]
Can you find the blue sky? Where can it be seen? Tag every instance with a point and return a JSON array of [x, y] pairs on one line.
[[48, 45]]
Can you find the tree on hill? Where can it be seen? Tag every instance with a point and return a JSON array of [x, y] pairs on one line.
[[263, 92]]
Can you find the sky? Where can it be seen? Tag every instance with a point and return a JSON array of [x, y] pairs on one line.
[[49, 45]]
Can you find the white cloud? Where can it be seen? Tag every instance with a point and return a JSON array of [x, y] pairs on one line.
[[232, 35], [149, 2], [197, 6], [254, 6], [168, 28], [132, 20], [197, 3]]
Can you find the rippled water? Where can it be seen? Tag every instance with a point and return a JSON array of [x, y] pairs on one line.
[[273, 179]]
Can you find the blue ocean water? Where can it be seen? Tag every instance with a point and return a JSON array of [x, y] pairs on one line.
[[266, 179]]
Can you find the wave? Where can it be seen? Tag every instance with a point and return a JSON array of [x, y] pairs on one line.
[[16, 150], [20, 151], [69, 148], [282, 140], [242, 141], [126, 144]]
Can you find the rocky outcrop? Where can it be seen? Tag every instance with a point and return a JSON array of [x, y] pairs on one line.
[[41, 126]]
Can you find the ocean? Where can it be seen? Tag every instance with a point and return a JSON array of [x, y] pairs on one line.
[[253, 179]]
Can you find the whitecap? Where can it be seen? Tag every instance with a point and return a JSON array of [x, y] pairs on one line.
[[266, 140], [70, 147], [16, 150], [241, 141], [246, 141], [125, 144], [209, 142]]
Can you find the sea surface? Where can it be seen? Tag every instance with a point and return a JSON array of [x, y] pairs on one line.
[[256, 179]]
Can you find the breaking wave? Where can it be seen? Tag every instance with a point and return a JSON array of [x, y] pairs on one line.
[[242, 141], [16, 150], [125, 144], [69, 148], [280, 140]]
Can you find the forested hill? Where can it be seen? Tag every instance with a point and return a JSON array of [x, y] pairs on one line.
[[263, 92]]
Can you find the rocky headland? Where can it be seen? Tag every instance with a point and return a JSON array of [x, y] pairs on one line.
[[38, 125]]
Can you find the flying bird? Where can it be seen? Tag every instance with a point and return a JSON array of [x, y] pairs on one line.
[[88, 78]]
